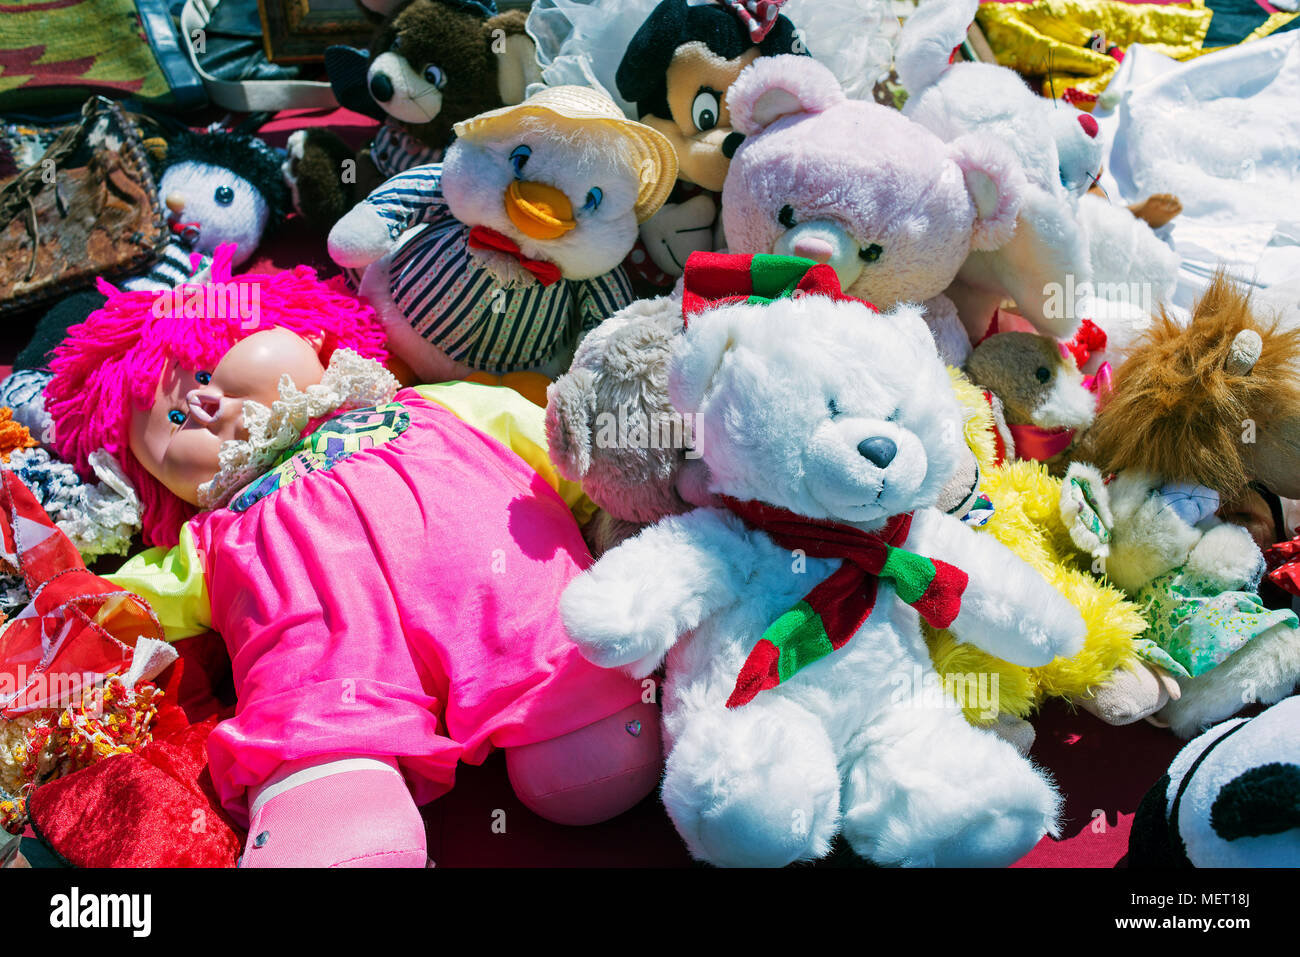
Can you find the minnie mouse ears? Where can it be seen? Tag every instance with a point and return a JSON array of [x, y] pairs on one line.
[[758, 16]]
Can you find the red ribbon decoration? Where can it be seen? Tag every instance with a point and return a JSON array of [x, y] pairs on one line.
[[481, 237], [1284, 564]]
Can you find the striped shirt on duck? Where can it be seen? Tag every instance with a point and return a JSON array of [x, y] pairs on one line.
[[454, 302]]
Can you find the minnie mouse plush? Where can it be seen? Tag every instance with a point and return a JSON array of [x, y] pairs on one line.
[[677, 70]]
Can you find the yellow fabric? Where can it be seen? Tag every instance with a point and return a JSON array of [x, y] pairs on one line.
[[1049, 38], [516, 423], [1027, 520], [1275, 22], [172, 582]]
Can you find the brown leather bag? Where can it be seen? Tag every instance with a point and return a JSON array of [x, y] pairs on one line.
[[88, 207]]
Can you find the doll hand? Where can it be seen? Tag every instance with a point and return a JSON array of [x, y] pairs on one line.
[[361, 237]]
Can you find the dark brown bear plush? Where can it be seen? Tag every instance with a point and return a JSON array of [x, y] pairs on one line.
[[431, 64]]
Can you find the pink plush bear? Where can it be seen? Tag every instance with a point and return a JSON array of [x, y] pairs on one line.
[[893, 208]]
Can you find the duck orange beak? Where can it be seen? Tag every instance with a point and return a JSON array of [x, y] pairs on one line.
[[539, 211]]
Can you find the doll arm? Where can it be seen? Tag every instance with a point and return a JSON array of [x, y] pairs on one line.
[[1007, 609], [172, 581], [630, 608], [600, 298], [372, 228], [516, 423]]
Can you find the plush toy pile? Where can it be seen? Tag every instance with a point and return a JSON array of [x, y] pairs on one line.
[[754, 404]]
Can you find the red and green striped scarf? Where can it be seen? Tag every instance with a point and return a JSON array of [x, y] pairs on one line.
[[828, 616], [717, 279]]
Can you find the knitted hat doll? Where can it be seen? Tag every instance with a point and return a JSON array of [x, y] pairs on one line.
[[385, 576]]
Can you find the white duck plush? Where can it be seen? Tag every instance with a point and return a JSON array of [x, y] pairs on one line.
[[524, 226], [790, 619]]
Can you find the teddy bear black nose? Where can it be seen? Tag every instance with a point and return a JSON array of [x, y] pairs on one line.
[[731, 144], [879, 451], [381, 87]]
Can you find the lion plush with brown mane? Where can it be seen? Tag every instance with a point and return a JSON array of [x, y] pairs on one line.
[[1216, 402], [1204, 420]]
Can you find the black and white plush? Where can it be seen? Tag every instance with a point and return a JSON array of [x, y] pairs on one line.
[[1231, 798], [219, 187]]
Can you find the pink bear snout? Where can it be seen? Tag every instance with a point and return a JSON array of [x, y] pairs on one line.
[[814, 248]]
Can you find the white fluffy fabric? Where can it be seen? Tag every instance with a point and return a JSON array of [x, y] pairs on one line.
[[849, 744], [350, 382], [1222, 133], [99, 518]]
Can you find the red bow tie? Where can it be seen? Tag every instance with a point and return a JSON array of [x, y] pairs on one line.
[[481, 237]]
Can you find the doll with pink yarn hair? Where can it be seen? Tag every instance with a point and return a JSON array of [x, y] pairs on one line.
[[386, 576]]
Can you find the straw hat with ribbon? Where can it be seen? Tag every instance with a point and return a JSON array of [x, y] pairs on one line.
[[655, 158]]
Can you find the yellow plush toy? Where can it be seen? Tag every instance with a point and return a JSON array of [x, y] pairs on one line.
[[1026, 518]]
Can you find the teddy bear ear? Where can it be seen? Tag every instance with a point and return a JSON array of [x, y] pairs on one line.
[[996, 184], [697, 356], [570, 402], [773, 87]]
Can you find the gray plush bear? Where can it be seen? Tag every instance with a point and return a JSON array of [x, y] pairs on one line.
[[611, 427]]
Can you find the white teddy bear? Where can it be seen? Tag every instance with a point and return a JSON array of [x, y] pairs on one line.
[[793, 707]]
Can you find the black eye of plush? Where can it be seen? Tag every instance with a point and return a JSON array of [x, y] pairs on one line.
[[705, 109], [871, 253], [1043, 373], [435, 76], [176, 417], [786, 217], [224, 195], [203, 378]]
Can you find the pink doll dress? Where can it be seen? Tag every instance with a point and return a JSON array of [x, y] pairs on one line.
[[392, 588]]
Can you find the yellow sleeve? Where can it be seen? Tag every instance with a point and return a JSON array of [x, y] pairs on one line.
[[172, 582], [516, 423]]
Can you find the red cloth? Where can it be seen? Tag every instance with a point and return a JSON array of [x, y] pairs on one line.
[[154, 808], [481, 237], [78, 628]]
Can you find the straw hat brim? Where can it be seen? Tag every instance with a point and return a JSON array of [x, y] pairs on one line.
[[652, 152]]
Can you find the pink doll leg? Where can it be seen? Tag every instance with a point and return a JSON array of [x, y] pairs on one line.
[[336, 811], [592, 774]]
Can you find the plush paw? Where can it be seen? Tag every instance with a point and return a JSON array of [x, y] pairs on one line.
[[361, 237], [1131, 695], [753, 787], [607, 621], [1058, 632], [1157, 210], [1227, 557], [506, 269], [313, 170]]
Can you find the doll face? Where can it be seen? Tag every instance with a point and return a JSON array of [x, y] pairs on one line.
[[177, 441]]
